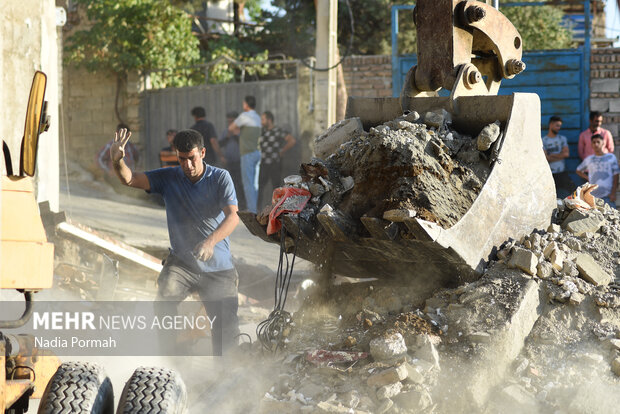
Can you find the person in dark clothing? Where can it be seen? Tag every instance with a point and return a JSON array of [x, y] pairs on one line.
[[274, 142], [168, 155], [207, 130], [229, 144]]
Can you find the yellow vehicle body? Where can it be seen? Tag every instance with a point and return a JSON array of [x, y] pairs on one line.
[[26, 264]]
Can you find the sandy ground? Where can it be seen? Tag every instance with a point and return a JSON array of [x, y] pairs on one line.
[[141, 223]]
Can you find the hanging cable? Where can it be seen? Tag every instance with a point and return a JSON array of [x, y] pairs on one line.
[[349, 45], [271, 331]]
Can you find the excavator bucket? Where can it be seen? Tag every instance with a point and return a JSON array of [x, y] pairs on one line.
[[466, 47], [517, 197]]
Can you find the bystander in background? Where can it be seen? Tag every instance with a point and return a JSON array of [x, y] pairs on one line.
[[229, 144], [207, 130], [168, 155], [601, 169], [585, 138], [274, 142], [556, 151]]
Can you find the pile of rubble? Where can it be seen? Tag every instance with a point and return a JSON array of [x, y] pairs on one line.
[[539, 332], [419, 165]]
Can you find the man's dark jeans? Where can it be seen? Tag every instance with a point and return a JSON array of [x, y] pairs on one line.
[[217, 291]]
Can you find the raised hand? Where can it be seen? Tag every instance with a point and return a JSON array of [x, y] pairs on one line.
[[117, 149]]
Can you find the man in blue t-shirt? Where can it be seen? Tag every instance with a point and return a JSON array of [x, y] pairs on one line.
[[201, 211], [556, 151], [602, 169]]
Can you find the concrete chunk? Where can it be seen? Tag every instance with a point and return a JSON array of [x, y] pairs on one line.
[[591, 272], [488, 136], [388, 347], [388, 376], [523, 259], [389, 391], [579, 225], [339, 133]]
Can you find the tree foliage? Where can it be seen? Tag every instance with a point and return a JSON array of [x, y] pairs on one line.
[[540, 26], [133, 35]]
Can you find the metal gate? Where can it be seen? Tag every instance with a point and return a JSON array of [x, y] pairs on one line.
[[170, 108], [560, 78]]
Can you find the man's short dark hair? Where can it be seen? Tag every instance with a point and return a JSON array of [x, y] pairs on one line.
[[595, 114], [251, 101], [188, 139], [171, 131], [232, 114], [268, 115], [199, 112], [597, 136], [554, 118]]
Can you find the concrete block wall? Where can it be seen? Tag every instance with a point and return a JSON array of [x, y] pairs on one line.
[[605, 89], [90, 119], [368, 76]]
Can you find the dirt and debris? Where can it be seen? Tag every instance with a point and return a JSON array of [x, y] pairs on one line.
[[412, 163], [539, 332]]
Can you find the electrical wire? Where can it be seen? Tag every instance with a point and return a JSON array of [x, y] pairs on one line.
[[271, 331]]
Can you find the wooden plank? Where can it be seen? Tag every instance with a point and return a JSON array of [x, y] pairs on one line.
[[114, 248]]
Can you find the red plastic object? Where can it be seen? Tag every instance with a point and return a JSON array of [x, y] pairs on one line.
[[287, 200]]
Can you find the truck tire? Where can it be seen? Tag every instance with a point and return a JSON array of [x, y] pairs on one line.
[[153, 391], [78, 387]]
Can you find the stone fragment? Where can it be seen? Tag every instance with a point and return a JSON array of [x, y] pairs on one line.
[[488, 136], [389, 391], [544, 270], [614, 344], [536, 240], [388, 376], [404, 125], [615, 366], [385, 406], [388, 347], [519, 398], [413, 374], [317, 189], [479, 337], [414, 400], [347, 182], [554, 228], [350, 399], [579, 225], [331, 407], [426, 350], [398, 215], [590, 271], [557, 259], [503, 254], [339, 133], [523, 259], [412, 116], [576, 298], [434, 119], [569, 269], [550, 248]]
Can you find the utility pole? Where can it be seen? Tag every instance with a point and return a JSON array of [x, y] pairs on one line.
[[326, 48]]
